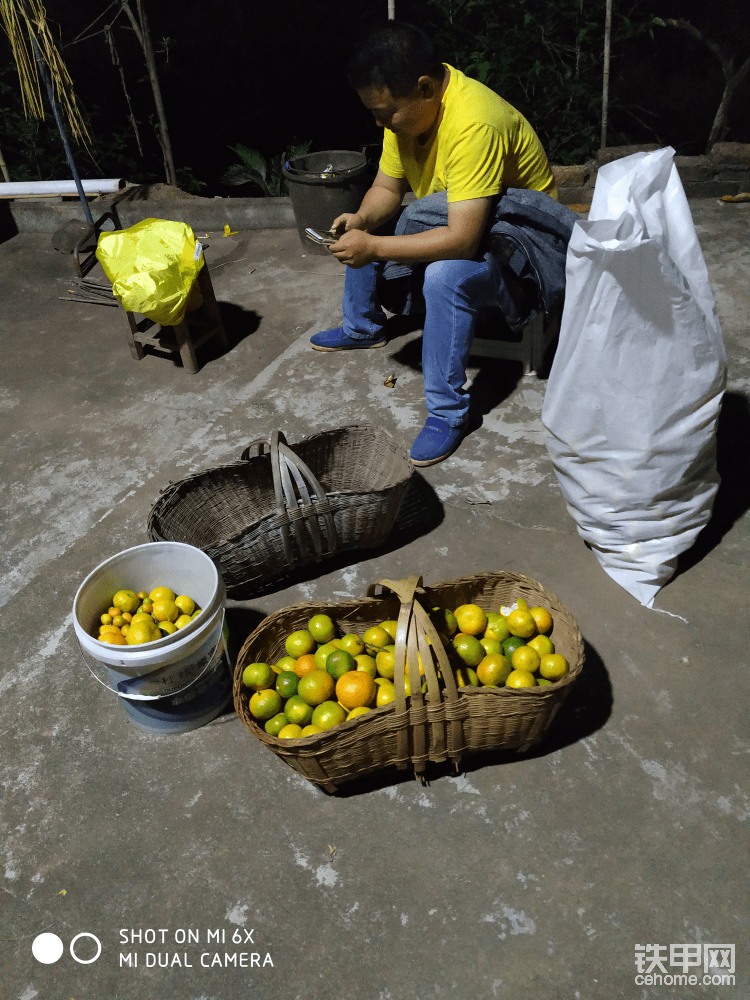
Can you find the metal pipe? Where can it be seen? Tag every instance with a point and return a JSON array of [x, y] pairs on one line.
[[605, 84], [61, 129], [18, 189]]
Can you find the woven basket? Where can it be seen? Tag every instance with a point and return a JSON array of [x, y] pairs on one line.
[[444, 724], [280, 510]]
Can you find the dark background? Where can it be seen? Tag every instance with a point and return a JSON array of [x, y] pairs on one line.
[[266, 74]]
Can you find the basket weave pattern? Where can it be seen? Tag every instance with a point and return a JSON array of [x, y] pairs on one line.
[[271, 513], [444, 725]]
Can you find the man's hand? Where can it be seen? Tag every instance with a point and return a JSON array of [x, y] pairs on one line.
[[346, 222], [355, 248]]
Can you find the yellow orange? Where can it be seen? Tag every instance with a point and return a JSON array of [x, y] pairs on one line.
[[355, 689], [494, 670], [542, 618], [316, 687], [520, 679], [113, 638], [521, 623], [553, 666], [471, 619], [525, 658]]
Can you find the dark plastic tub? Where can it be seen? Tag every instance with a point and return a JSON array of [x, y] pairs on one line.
[[319, 197]]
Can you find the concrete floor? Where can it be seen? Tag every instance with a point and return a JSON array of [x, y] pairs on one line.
[[524, 876]]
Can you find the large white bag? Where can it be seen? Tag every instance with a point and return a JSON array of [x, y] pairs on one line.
[[634, 393]]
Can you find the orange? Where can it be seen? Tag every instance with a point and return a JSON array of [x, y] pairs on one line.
[[356, 712], [321, 628], [257, 676], [444, 621], [541, 681], [167, 627], [328, 714], [165, 610], [286, 662], [286, 683], [265, 704], [390, 627], [497, 627], [304, 665], [185, 604], [511, 643], [367, 664], [141, 617], [113, 638], [521, 623], [471, 619], [542, 618], [352, 643], [274, 725], [161, 594], [125, 600], [520, 679], [182, 621], [316, 687], [107, 628], [355, 689], [385, 662], [113, 612], [142, 595], [106, 619], [127, 616], [321, 654], [471, 674], [339, 662], [553, 666], [490, 645], [298, 711], [469, 648], [125, 629], [494, 670], [542, 644], [311, 731], [386, 693], [140, 632], [376, 638], [290, 732], [299, 643], [525, 658]]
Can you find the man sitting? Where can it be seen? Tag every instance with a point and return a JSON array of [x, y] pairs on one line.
[[444, 132]]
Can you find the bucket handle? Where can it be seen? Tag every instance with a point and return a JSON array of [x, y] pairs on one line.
[[220, 648]]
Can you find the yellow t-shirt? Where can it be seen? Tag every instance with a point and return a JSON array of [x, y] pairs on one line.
[[481, 147]]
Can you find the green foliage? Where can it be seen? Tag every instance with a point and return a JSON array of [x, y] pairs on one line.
[[544, 57], [263, 171]]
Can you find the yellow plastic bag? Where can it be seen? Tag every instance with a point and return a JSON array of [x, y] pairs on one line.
[[152, 267]]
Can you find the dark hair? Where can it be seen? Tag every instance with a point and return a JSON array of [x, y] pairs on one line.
[[393, 54]]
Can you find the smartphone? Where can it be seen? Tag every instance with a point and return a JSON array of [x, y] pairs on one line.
[[320, 237]]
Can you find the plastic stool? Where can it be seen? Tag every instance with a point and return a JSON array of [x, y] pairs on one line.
[[530, 350], [196, 328]]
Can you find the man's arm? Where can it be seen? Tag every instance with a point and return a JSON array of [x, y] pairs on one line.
[[459, 240], [381, 202]]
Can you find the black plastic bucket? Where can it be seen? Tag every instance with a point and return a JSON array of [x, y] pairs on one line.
[[324, 185]]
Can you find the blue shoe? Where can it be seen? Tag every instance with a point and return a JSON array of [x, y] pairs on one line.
[[337, 340], [436, 441]]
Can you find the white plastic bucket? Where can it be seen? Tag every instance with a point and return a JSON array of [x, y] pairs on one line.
[[179, 682]]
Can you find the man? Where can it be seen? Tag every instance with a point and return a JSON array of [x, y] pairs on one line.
[[447, 133]]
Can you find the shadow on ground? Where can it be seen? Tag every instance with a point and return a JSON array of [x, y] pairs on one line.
[[586, 710], [238, 323], [733, 496]]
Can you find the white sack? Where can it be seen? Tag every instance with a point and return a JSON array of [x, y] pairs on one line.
[[635, 389]]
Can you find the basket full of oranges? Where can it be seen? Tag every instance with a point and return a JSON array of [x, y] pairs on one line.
[[410, 674]]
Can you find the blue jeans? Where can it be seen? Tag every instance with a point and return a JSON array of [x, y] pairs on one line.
[[454, 291]]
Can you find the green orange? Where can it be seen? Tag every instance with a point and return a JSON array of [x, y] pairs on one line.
[[298, 711], [265, 704], [321, 628], [494, 670], [286, 683], [328, 714], [316, 687], [469, 649], [300, 642], [338, 663]]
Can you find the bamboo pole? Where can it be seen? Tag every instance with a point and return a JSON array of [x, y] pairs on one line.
[[144, 37], [4, 168], [44, 73], [605, 84]]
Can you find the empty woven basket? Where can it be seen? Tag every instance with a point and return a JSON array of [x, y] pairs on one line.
[[282, 509]]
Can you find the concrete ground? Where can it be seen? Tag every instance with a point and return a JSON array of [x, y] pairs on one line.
[[534, 875]]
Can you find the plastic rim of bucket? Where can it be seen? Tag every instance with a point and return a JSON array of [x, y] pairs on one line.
[[186, 651]]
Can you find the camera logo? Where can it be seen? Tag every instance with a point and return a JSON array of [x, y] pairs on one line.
[[48, 948]]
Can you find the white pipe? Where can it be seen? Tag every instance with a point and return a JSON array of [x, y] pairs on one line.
[[18, 189]]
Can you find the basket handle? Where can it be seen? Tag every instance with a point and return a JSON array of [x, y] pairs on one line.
[[288, 471], [413, 631]]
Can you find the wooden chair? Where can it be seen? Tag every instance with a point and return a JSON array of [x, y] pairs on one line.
[[198, 326]]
